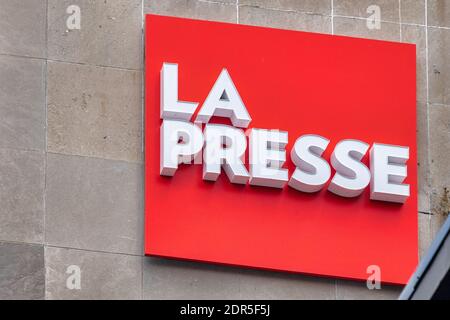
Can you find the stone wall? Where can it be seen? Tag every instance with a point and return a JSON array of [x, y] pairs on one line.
[[71, 135]]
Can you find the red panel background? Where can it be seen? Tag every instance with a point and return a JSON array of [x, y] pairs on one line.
[[337, 87]]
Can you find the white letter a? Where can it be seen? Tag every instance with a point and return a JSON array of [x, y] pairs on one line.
[[224, 101]]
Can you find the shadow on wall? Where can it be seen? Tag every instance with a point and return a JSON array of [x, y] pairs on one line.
[[178, 279]]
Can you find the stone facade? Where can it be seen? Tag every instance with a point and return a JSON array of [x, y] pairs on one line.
[[71, 156]]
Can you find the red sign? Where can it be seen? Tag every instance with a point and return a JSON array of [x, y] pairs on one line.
[[343, 90]]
